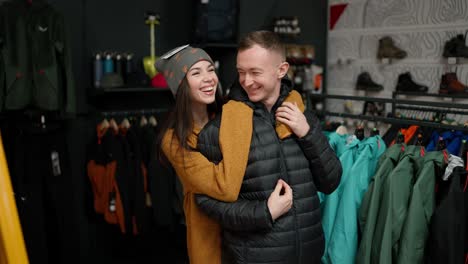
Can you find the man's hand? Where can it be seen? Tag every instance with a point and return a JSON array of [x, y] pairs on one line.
[[290, 115], [280, 200]]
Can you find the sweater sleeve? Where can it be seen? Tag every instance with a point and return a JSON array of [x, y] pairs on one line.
[[324, 164], [198, 174], [241, 215]]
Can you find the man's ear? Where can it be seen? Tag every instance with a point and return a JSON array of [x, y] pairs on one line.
[[283, 69]]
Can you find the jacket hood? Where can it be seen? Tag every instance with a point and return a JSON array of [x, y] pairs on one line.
[[237, 93]]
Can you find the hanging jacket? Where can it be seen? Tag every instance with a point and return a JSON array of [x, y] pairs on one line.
[[453, 140], [396, 193], [307, 164], [344, 239], [416, 227], [408, 134], [338, 142], [35, 60], [446, 242], [370, 204], [331, 202], [136, 181], [104, 161]]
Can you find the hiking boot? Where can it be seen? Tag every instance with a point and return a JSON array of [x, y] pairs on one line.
[[456, 47], [406, 84], [365, 82], [387, 49], [449, 84]]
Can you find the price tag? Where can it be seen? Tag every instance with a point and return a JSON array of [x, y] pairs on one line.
[[54, 156], [452, 60], [385, 61]]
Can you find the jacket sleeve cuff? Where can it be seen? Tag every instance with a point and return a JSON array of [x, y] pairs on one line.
[[266, 221]]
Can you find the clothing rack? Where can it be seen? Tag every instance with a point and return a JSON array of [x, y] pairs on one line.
[[132, 112], [396, 121], [430, 109], [391, 100], [419, 105]]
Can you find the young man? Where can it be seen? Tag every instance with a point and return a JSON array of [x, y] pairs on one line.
[[258, 227]]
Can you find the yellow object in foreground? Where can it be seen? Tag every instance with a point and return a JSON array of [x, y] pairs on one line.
[[12, 249]]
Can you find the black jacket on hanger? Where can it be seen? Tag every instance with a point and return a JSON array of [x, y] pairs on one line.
[[446, 242]]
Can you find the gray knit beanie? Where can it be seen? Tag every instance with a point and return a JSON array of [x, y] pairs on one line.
[[175, 63]]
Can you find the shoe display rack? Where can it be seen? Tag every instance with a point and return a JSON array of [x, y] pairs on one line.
[[392, 117]]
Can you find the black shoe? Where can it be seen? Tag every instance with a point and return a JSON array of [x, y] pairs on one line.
[[365, 82], [406, 84], [456, 47]]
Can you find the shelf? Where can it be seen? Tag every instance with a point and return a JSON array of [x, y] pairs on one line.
[[393, 120], [458, 96], [129, 98], [131, 90], [391, 100], [98, 92], [216, 45]]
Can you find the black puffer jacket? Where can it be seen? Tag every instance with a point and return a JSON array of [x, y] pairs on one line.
[[307, 165]]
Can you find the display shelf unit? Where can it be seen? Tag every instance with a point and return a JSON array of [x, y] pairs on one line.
[[442, 107]]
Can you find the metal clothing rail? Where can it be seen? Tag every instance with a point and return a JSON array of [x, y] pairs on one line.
[[429, 109], [391, 100], [429, 106], [132, 112], [397, 121], [453, 96]]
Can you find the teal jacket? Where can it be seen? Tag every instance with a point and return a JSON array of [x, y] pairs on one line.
[[330, 202], [371, 202], [35, 58], [416, 227], [396, 194], [343, 242]]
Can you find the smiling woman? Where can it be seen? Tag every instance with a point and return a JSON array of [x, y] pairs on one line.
[[191, 76], [203, 81]]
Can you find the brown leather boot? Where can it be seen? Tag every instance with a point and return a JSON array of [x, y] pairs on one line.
[[387, 49], [449, 84]]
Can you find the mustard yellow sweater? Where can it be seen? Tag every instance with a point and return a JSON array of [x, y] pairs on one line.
[[222, 182]]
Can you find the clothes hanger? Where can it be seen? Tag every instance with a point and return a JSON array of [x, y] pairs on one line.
[[125, 123], [113, 125], [359, 132], [143, 121], [153, 121], [104, 124], [419, 139], [375, 132], [400, 138], [441, 144], [341, 130]]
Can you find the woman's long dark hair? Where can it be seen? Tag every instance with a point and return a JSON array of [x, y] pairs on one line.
[[180, 117]]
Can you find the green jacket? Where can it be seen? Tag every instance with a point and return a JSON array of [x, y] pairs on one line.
[[396, 193], [416, 227], [343, 243], [331, 202], [370, 205], [35, 58]]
